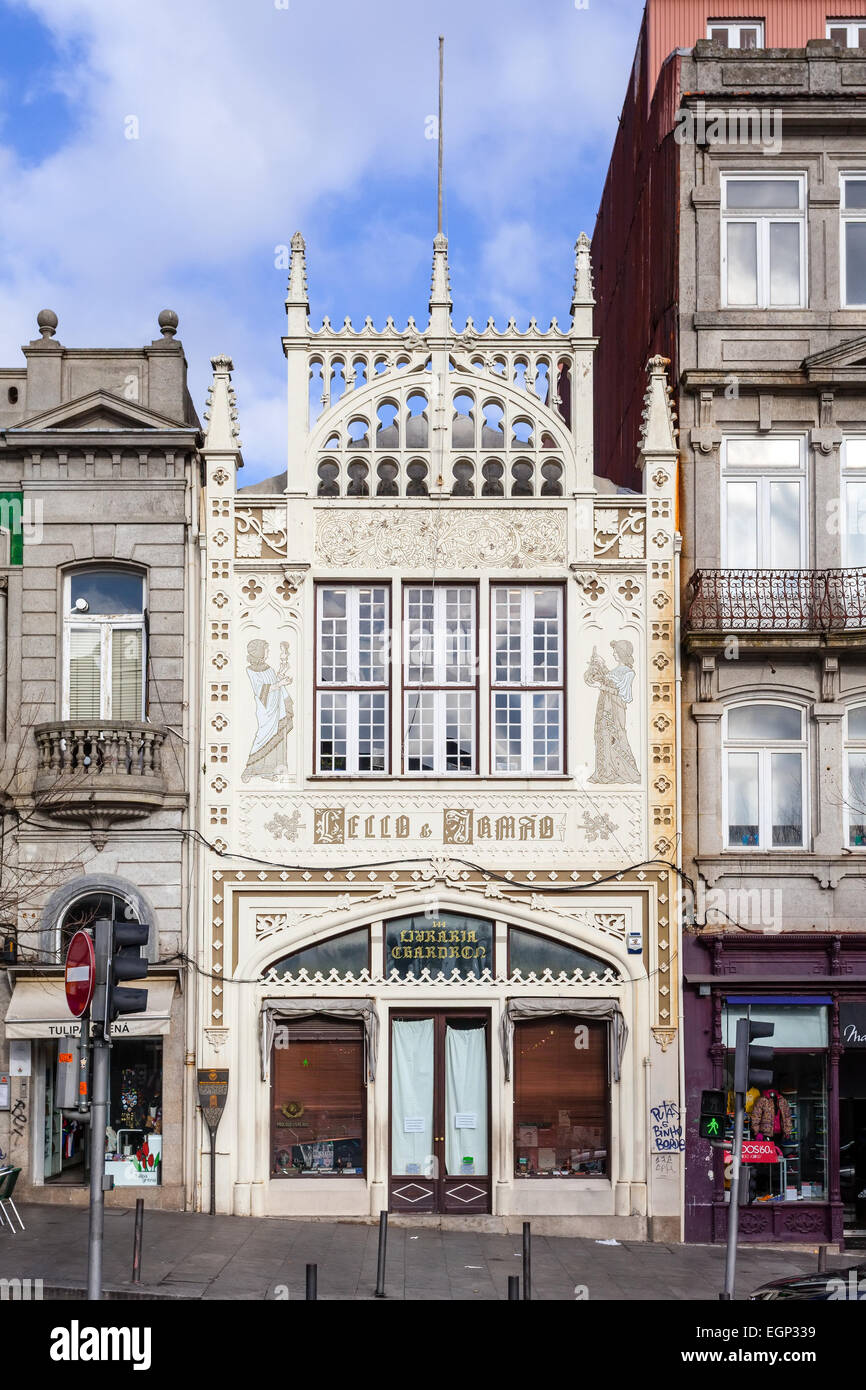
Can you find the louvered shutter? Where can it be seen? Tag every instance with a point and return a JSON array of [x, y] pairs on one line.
[[84, 681], [126, 673]]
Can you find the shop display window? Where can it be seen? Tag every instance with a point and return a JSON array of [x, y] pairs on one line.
[[134, 1133], [792, 1112], [318, 1099], [561, 1098]]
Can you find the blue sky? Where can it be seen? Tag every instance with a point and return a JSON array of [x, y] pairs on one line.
[[258, 117]]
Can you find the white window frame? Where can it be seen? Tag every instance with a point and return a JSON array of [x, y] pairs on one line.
[[353, 687], [848, 216], [762, 475], [440, 687], [763, 218], [765, 750], [528, 686], [104, 623], [736, 25], [849, 24]]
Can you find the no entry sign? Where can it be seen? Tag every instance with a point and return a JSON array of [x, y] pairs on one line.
[[80, 973]]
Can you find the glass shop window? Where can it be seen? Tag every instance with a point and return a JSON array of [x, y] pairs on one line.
[[561, 1099], [348, 953], [528, 952], [440, 945], [134, 1154], [792, 1112], [318, 1098]]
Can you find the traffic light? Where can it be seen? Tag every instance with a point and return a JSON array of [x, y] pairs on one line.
[[753, 1066], [713, 1115], [118, 958]]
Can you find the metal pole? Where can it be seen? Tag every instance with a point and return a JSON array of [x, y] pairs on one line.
[[136, 1240], [734, 1205], [99, 1119], [311, 1294], [213, 1172], [513, 1288], [822, 1259], [383, 1250], [527, 1261], [440, 132]]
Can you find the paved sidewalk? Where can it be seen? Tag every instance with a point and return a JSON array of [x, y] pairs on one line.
[[190, 1256]]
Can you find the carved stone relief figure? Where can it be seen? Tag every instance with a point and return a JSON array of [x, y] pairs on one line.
[[614, 760], [274, 713]]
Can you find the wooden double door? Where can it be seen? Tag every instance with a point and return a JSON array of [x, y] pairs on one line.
[[440, 1111]]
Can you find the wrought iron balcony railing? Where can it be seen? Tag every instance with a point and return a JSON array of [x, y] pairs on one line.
[[773, 601]]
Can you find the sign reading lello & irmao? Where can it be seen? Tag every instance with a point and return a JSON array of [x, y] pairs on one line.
[[333, 825], [213, 1087]]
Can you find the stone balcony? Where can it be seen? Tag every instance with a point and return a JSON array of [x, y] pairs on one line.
[[99, 772], [784, 608]]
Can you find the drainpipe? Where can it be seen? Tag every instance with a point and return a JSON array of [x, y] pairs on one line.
[[678, 741]]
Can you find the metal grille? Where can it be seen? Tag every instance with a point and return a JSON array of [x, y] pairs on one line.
[[776, 600]]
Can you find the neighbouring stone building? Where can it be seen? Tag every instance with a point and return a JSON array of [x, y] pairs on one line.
[[737, 197], [439, 949], [99, 641]]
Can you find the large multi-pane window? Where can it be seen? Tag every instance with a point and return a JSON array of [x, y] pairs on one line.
[[352, 678], [764, 776], [764, 505], [853, 216], [527, 705], [736, 33], [439, 678], [763, 241], [104, 640], [855, 777]]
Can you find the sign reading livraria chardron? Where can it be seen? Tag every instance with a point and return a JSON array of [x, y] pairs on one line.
[[445, 943]]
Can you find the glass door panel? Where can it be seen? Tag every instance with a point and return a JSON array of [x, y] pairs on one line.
[[465, 1101]]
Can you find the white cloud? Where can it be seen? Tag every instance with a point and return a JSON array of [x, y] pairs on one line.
[[254, 120]]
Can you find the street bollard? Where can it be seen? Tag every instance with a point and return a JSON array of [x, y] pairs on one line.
[[311, 1294], [136, 1240], [822, 1259], [513, 1288], [383, 1251], [527, 1261]]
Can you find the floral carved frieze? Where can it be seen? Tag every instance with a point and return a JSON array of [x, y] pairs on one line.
[[261, 533], [419, 540], [620, 533]]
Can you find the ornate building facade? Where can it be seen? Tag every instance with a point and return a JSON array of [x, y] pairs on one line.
[[440, 954]]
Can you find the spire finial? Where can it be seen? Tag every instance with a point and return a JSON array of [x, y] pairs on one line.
[[658, 431], [297, 292], [222, 432], [582, 273]]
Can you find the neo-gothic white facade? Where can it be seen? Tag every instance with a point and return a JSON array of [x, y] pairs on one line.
[[439, 747]]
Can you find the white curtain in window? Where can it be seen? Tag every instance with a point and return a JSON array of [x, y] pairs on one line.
[[465, 1100], [412, 1096]]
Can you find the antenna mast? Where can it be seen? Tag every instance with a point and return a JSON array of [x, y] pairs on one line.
[[440, 128]]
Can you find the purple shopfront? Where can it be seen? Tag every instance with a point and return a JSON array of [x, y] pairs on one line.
[[812, 988]]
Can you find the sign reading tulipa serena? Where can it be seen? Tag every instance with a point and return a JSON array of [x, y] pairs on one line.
[[440, 777]]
